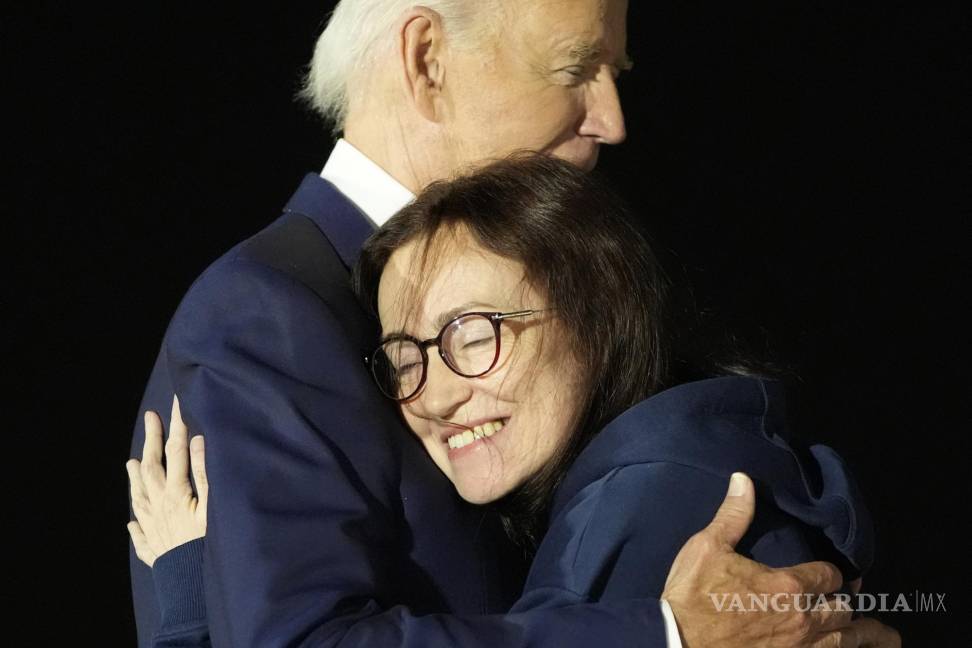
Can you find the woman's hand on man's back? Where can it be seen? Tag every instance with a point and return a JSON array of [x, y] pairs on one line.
[[168, 512]]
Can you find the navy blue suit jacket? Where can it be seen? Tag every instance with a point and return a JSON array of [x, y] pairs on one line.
[[656, 475], [328, 524]]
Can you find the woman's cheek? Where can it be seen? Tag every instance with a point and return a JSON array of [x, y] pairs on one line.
[[505, 386]]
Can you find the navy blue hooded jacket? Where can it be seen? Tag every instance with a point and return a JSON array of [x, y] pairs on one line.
[[656, 475]]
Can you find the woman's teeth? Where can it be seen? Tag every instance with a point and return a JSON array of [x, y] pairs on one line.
[[478, 432]]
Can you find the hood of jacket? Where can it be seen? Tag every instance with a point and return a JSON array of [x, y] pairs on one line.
[[735, 424]]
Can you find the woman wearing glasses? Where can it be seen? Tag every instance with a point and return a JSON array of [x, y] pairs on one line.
[[523, 341]]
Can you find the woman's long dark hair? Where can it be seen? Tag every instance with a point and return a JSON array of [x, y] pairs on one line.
[[578, 248]]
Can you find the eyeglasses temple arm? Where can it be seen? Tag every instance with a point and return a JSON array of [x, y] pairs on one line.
[[522, 313]]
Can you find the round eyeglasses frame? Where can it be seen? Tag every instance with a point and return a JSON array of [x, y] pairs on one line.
[[495, 319]]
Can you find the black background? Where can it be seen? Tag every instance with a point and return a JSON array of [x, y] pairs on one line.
[[801, 163]]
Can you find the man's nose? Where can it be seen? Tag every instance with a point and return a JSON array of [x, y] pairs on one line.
[[445, 391], [605, 118]]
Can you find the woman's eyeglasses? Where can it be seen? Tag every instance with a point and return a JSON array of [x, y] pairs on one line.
[[468, 344]]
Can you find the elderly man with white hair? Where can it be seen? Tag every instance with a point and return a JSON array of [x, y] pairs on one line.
[[328, 525]]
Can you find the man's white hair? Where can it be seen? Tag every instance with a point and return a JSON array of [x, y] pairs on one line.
[[359, 35]]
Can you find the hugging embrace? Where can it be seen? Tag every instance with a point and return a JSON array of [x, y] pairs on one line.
[[435, 393]]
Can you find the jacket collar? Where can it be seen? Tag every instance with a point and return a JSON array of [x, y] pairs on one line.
[[344, 225]]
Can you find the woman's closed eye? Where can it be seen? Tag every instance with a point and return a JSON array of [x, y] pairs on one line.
[[405, 369], [479, 342]]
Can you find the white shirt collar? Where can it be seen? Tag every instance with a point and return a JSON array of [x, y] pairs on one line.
[[364, 183]]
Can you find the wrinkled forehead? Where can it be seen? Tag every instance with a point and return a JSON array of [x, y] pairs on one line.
[[425, 282], [578, 29]]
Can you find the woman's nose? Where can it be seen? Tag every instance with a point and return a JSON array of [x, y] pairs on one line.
[[445, 391]]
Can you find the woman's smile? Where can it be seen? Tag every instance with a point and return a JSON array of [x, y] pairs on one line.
[[464, 421], [460, 436]]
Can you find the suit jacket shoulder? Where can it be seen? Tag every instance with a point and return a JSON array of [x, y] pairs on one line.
[[295, 245]]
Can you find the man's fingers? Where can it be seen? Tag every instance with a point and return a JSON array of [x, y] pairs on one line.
[[177, 452], [834, 617], [809, 578], [197, 454], [862, 633], [834, 640], [871, 633], [736, 512]]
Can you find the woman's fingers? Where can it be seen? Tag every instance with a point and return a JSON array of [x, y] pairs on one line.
[[152, 448], [167, 514], [142, 549], [197, 455], [140, 501], [177, 452], [153, 474]]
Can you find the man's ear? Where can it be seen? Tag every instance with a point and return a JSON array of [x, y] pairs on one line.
[[421, 46]]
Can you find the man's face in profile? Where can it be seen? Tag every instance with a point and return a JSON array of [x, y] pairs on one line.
[[545, 83]]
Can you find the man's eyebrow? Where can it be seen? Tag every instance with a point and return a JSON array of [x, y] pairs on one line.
[[590, 52], [584, 52]]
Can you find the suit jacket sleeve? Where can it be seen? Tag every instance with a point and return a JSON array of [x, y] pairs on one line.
[[302, 519]]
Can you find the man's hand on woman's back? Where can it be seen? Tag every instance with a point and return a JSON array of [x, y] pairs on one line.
[[707, 569]]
